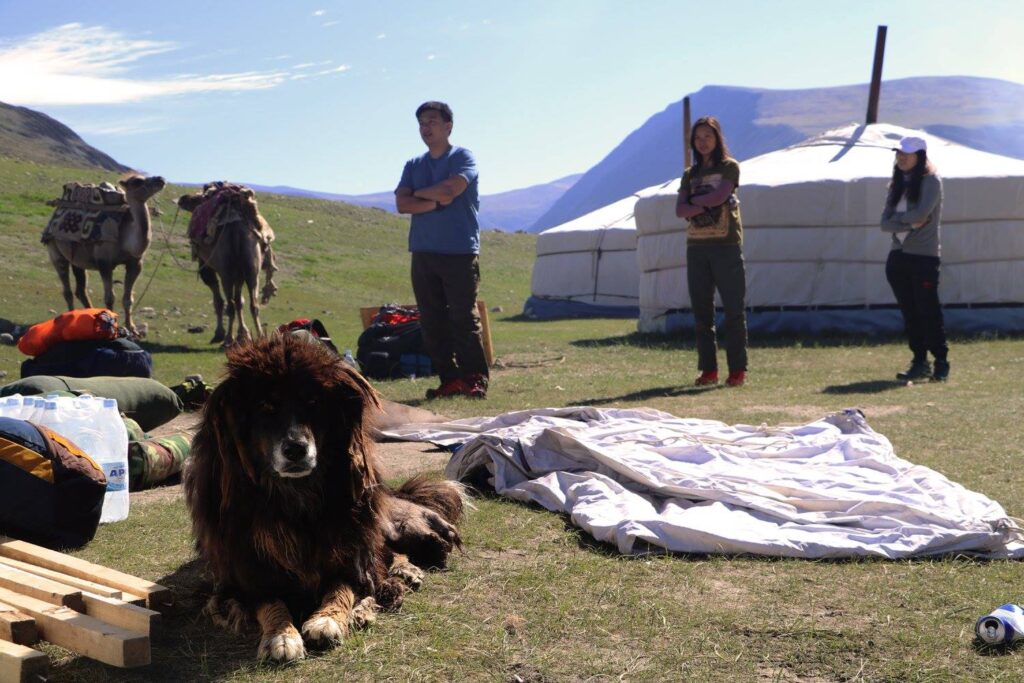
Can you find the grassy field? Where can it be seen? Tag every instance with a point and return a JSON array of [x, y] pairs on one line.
[[531, 599]]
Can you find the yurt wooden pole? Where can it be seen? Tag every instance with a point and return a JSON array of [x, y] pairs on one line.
[[876, 76], [686, 133]]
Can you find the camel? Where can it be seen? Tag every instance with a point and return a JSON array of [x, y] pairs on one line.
[[134, 236], [239, 250]]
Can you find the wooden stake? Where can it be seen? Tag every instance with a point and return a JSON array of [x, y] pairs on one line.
[[17, 627], [121, 613], [83, 634], [81, 584], [155, 594], [687, 152], [876, 76], [40, 588], [20, 664]]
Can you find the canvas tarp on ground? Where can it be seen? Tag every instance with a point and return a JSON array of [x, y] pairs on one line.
[[814, 252], [641, 479], [587, 267]]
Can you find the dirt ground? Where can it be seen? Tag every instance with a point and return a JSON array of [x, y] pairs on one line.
[[398, 459]]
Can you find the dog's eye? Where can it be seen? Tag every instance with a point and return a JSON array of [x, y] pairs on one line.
[[266, 407]]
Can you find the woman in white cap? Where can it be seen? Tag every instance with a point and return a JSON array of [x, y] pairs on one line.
[[912, 214]]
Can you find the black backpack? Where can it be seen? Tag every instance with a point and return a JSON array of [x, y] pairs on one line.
[[390, 350]]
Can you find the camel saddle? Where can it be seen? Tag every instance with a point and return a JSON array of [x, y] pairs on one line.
[[87, 213], [220, 204]]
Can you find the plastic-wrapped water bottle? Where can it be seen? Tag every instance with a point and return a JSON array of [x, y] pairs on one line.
[[11, 407], [114, 462], [1003, 626], [95, 426]]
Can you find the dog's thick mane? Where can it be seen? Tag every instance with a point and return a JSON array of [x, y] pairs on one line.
[[259, 531]]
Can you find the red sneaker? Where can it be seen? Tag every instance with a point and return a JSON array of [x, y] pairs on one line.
[[707, 378], [476, 386], [736, 378], [453, 387]]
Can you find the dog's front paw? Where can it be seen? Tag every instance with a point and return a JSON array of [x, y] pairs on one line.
[[228, 614], [408, 573], [365, 613], [324, 632], [282, 648]]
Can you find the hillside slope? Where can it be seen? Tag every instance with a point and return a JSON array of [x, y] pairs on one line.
[[33, 136], [984, 113]]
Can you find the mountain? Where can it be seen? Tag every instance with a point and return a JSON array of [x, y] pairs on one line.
[[509, 211], [33, 136], [983, 113]]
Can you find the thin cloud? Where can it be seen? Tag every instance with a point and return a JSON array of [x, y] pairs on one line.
[[381, 36], [330, 23], [122, 127], [319, 13], [431, 58], [77, 64]]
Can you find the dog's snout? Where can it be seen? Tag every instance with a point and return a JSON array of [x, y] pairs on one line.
[[295, 449]]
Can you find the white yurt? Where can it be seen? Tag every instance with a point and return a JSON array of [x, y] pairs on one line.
[[815, 255], [587, 267]]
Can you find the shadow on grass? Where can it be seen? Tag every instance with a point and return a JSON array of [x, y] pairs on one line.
[[656, 392], [186, 645], [686, 341], [985, 650], [873, 386], [157, 347]]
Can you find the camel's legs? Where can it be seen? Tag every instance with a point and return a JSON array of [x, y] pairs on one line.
[[81, 282], [132, 270], [235, 307], [253, 283], [107, 273], [60, 264], [209, 277]]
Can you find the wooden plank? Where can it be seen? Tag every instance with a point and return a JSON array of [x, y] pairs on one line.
[[83, 634], [155, 594], [20, 664], [81, 584], [366, 314], [42, 589], [121, 613], [17, 627]]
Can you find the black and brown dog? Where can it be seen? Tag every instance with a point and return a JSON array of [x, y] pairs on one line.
[[288, 506]]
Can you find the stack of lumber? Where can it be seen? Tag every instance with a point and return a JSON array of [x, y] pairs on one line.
[[84, 607]]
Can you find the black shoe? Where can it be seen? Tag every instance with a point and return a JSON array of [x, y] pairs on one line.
[[917, 370], [941, 373]]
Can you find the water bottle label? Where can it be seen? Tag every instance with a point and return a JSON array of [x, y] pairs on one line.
[[117, 476]]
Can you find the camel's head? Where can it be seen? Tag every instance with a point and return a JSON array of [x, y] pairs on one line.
[[140, 188]]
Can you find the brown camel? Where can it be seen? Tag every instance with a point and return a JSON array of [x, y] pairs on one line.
[[233, 260], [134, 235]]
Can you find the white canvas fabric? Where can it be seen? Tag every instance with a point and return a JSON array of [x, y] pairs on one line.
[[810, 222], [642, 479]]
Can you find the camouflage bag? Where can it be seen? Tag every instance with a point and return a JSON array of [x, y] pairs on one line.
[[153, 460]]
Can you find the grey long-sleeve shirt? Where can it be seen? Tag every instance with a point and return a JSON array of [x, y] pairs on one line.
[[924, 240]]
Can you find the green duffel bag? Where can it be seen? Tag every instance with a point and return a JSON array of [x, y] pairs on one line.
[[146, 401]]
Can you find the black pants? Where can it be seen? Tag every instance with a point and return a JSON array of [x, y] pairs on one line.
[[718, 267], [915, 282], [446, 288]]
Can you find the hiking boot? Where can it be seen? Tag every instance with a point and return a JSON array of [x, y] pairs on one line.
[[919, 369], [707, 378], [476, 386], [941, 373], [736, 378], [453, 387]]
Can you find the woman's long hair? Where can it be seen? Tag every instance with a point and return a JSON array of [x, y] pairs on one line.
[[721, 151], [912, 185]]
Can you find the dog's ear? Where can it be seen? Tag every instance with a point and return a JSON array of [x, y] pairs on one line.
[[358, 402], [232, 449]]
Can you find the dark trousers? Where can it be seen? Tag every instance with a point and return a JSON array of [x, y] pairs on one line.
[[446, 288], [915, 283], [718, 267]]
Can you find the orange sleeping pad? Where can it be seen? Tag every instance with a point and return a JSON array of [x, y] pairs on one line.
[[81, 324]]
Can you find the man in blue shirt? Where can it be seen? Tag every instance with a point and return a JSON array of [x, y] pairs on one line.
[[439, 191]]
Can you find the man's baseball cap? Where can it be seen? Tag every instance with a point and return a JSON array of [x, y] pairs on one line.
[[910, 145]]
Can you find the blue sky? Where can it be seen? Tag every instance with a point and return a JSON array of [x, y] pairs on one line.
[[321, 95]]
